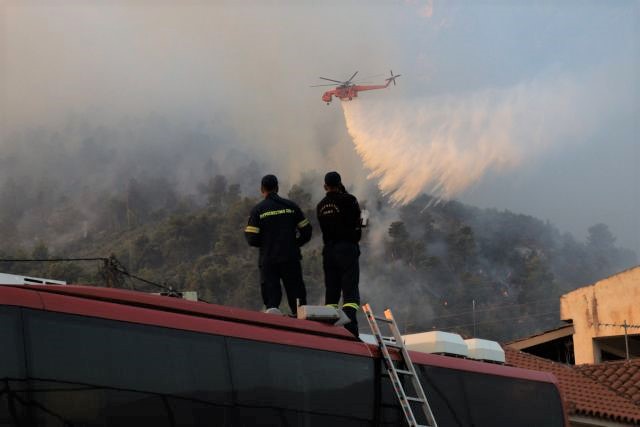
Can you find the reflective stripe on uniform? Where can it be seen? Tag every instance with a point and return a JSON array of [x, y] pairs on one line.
[[252, 229], [351, 305], [276, 212], [332, 305], [303, 223]]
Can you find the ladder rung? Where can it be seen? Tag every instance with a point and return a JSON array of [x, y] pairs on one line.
[[402, 371], [382, 319], [393, 344], [415, 399]]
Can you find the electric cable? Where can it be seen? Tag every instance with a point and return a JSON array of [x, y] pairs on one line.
[[504, 319], [111, 263], [497, 307]]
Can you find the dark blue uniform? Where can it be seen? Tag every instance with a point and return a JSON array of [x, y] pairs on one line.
[[339, 217], [278, 227]]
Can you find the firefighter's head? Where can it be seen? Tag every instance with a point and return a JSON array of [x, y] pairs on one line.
[[268, 185], [333, 181]]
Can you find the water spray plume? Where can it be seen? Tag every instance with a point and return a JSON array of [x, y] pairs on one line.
[[444, 145]]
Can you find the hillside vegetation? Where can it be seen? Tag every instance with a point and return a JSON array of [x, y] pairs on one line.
[[450, 266]]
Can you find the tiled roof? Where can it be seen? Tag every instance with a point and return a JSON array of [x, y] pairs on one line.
[[622, 376], [583, 395]]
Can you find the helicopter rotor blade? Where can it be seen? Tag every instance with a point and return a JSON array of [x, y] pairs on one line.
[[354, 74], [322, 85], [331, 80], [374, 76]]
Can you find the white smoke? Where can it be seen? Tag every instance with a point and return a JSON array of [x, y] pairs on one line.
[[443, 145]]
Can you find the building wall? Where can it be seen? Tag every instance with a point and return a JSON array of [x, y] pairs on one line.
[[611, 300]]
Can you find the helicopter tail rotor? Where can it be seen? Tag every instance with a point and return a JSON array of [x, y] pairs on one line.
[[393, 78]]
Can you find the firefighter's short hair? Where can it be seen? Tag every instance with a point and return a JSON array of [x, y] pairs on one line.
[[333, 179], [269, 182]]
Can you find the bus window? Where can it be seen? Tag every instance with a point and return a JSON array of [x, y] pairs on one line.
[[462, 398], [445, 391], [101, 372], [285, 385], [524, 403], [11, 356], [12, 368], [389, 411]]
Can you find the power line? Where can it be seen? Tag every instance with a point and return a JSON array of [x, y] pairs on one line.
[[53, 259], [619, 325], [497, 307], [111, 265], [504, 319]]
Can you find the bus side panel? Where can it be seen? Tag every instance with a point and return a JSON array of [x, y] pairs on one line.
[[92, 371], [81, 306], [20, 296]]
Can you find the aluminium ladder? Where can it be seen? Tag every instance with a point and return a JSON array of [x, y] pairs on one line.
[[394, 372]]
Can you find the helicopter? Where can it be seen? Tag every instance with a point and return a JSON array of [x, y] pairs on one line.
[[347, 90]]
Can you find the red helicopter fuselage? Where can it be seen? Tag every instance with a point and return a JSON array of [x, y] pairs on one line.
[[347, 93], [347, 90]]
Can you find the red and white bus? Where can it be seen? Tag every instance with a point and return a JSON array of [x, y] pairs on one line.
[[87, 356]]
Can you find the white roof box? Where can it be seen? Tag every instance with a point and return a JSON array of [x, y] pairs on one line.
[[486, 350], [12, 279], [323, 313], [188, 295], [437, 342]]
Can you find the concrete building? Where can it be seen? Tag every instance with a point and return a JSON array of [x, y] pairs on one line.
[[599, 313], [589, 353]]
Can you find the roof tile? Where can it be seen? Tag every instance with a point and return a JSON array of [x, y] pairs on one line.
[[622, 376], [588, 391]]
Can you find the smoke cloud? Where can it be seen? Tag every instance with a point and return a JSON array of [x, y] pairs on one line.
[[185, 90]]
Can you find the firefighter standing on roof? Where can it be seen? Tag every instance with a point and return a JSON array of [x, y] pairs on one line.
[[339, 217], [278, 227]]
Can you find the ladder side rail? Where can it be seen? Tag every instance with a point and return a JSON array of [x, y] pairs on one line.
[[400, 391], [426, 409], [391, 369]]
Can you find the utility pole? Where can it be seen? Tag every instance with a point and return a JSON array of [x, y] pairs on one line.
[[473, 309], [626, 338]]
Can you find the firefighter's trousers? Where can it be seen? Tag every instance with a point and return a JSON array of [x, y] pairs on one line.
[[340, 261], [290, 273]]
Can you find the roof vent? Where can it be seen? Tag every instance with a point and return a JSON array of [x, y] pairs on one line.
[[437, 342], [489, 351], [12, 279]]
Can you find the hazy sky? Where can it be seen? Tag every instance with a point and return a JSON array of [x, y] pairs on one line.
[[562, 76]]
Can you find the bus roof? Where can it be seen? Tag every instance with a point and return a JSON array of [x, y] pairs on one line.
[[179, 305], [139, 307]]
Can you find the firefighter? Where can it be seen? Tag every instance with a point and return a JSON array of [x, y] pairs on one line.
[[339, 218], [278, 227]]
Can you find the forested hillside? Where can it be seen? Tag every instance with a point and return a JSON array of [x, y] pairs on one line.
[[487, 273]]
